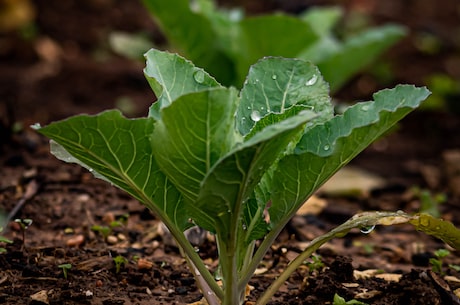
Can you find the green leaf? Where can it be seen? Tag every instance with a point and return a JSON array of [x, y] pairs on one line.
[[325, 148], [323, 19], [233, 178], [266, 36], [438, 228], [254, 225], [194, 132], [274, 85], [192, 35], [172, 76], [119, 150], [356, 53]]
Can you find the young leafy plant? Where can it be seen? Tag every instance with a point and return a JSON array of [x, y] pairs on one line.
[[225, 42], [238, 164]]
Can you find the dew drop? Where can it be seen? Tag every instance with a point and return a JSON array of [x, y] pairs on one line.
[[274, 76], [244, 227], [326, 147], [198, 75], [311, 81], [367, 229], [365, 107], [255, 116]]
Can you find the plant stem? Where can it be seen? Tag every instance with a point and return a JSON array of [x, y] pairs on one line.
[[293, 265], [248, 271], [203, 272], [228, 264], [202, 284]]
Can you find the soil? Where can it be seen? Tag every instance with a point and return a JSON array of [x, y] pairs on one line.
[[62, 66]]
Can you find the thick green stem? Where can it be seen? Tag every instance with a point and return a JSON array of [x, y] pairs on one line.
[[228, 265]]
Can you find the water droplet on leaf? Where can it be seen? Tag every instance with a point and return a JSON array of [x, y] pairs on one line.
[[365, 107], [198, 75], [255, 116], [327, 147], [311, 81], [367, 229], [274, 76]]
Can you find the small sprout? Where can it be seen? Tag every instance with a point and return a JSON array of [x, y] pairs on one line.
[[65, 268], [338, 300], [315, 264], [24, 224], [429, 203], [436, 262], [103, 230], [119, 262]]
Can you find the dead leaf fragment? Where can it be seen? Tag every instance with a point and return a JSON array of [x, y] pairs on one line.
[[313, 206], [41, 297], [389, 277]]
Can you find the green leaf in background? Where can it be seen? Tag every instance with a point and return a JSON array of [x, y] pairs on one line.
[[192, 35], [327, 147], [258, 36], [171, 76], [225, 44], [356, 53], [119, 150]]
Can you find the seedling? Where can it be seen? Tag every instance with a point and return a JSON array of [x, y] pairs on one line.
[[103, 230], [315, 264], [338, 300], [119, 261], [24, 224], [429, 202], [65, 268], [213, 157], [436, 263]]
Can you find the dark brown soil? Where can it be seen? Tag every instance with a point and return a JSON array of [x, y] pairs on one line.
[[67, 68]]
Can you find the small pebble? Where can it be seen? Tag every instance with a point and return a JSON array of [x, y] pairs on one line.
[[75, 241], [112, 239]]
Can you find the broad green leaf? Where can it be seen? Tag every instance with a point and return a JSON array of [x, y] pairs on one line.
[[270, 35], [323, 19], [273, 85], [356, 53], [326, 148], [194, 132], [171, 76], [119, 150], [233, 178], [192, 35]]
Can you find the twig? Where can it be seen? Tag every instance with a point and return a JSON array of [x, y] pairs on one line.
[[31, 190]]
